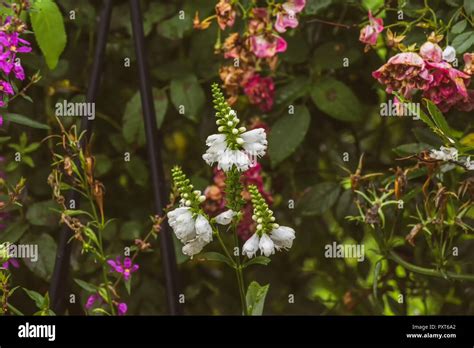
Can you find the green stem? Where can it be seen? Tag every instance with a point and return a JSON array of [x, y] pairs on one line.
[[428, 271]]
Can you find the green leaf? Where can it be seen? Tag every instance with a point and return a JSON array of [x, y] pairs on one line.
[[213, 256], [42, 214], [319, 198], [133, 129], [377, 268], [43, 267], [330, 55], [174, 28], [48, 27], [13, 232], [36, 297], [288, 93], [410, 149], [259, 260], [287, 134], [463, 42], [138, 170], [459, 27], [469, 7], [24, 121], [440, 121], [314, 6], [256, 298], [86, 286], [187, 92], [336, 99]]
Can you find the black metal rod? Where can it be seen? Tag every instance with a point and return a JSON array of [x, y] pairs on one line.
[[154, 145], [60, 278]]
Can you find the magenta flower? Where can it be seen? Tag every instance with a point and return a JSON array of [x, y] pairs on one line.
[[10, 45], [12, 262], [370, 32], [260, 91], [92, 299], [287, 17], [6, 87], [266, 46], [404, 73], [122, 308], [126, 268]]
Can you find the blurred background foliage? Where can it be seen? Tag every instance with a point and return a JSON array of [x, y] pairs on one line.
[[339, 114]]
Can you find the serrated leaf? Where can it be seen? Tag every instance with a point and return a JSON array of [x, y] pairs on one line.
[[287, 134], [256, 298], [187, 93], [336, 99], [24, 121], [319, 198], [48, 27]]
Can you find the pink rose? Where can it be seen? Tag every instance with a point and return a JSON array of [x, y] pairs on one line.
[[260, 91], [448, 87], [370, 32], [431, 52], [287, 18], [264, 46], [405, 73]]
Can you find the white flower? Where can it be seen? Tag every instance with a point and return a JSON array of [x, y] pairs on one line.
[[182, 222], [266, 245], [194, 247], [255, 141], [449, 54], [233, 157], [250, 247], [217, 145], [226, 217], [203, 229], [469, 164], [282, 237], [445, 154]]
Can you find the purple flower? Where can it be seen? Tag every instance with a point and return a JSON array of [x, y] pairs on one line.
[[92, 299], [122, 308], [12, 262], [126, 268], [6, 87]]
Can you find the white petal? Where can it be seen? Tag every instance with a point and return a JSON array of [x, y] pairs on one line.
[[250, 247], [233, 157], [193, 247], [225, 217], [254, 135], [449, 54], [203, 229], [266, 245], [182, 222], [283, 237]]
